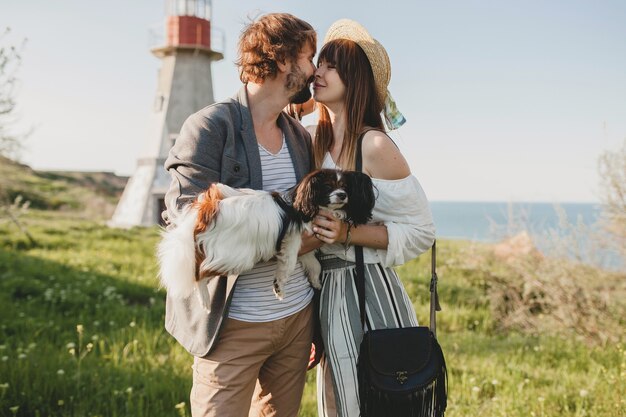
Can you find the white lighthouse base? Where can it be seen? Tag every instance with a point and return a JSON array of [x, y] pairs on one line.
[[142, 201]]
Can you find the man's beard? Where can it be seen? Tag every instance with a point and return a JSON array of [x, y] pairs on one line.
[[302, 96], [296, 79]]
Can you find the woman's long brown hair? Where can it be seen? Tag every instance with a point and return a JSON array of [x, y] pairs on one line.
[[362, 106]]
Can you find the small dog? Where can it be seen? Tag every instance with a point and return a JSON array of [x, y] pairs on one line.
[[226, 231]]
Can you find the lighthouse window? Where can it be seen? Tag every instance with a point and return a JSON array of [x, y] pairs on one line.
[[203, 9], [199, 8], [181, 7]]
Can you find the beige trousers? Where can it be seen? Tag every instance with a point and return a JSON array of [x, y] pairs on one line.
[[256, 369]]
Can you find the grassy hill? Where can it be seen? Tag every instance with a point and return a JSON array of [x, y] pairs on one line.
[[90, 194], [81, 325]]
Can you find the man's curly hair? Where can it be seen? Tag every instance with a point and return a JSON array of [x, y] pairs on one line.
[[275, 37]]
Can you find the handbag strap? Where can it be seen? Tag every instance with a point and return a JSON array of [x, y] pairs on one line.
[[359, 278], [434, 295], [358, 250]]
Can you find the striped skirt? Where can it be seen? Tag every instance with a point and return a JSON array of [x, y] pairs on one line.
[[387, 305]]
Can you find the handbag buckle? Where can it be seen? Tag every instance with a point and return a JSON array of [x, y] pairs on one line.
[[401, 377]]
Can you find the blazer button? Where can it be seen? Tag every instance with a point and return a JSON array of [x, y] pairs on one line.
[[236, 168]]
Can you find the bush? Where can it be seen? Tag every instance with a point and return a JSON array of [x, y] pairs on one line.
[[612, 168]]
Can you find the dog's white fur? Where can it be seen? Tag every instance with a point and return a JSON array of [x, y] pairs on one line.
[[177, 255], [244, 233], [237, 228]]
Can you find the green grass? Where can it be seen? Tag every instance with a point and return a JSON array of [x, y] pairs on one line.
[[120, 362]]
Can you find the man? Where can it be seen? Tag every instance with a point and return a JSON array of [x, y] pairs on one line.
[[251, 350]]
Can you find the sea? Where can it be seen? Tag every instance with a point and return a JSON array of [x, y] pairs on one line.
[[572, 230]]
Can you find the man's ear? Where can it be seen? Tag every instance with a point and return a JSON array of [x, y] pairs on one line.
[[282, 66]]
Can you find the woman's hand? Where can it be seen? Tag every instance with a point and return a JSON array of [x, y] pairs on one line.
[[298, 111], [328, 229]]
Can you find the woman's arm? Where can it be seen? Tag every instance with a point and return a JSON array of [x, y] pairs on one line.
[[381, 157]]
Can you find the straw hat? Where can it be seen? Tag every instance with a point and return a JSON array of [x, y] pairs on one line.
[[376, 54]]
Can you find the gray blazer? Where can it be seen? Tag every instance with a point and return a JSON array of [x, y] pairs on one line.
[[218, 144]]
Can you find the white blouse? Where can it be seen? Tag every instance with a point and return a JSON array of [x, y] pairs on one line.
[[401, 205]]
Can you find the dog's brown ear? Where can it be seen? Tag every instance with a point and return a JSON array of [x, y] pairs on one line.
[[361, 197], [207, 205], [306, 194], [200, 275]]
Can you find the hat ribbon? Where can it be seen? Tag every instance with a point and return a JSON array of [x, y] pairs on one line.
[[393, 118]]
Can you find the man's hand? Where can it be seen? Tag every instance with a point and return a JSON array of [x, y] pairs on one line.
[[316, 356]]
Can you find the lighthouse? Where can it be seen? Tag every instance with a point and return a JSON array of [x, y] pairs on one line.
[[184, 86]]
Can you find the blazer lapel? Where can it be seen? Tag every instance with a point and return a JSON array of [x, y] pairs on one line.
[[297, 147], [249, 141]]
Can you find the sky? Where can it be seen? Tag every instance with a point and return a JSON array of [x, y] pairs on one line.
[[504, 100]]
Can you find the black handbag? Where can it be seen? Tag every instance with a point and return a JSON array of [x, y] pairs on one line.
[[401, 372]]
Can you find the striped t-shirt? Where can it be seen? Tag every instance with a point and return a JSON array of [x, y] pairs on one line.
[[254, 299]]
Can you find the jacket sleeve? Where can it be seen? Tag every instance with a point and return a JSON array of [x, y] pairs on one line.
[[194, 162], [403, 208]]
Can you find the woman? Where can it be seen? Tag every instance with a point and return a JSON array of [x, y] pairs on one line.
[[351, 88]]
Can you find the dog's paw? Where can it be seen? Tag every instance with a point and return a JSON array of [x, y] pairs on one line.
[[278, 291], [313, 274], [315, 282], [312, 268]]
